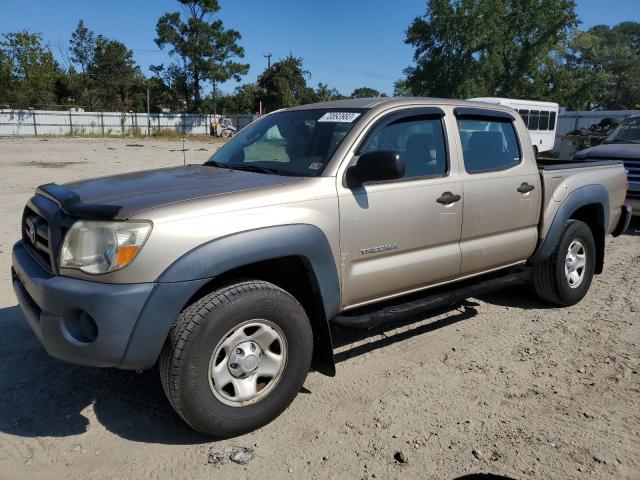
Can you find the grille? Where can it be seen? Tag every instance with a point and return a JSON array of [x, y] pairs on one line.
[[35, 233], [633, 169]]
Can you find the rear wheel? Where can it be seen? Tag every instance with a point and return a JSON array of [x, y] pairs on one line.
[[564, 278], [237, 358]]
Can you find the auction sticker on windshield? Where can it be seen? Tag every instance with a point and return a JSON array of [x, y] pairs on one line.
[[343, 117]]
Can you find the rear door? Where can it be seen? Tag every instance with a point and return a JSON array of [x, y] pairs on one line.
[[501, 185], [395, 236]]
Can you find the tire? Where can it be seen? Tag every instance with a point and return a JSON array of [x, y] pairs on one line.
[[189, 371], [550, 278]]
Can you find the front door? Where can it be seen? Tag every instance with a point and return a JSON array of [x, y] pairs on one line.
[[402, 235]]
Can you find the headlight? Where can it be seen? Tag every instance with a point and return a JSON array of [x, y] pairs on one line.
[[101, 247]]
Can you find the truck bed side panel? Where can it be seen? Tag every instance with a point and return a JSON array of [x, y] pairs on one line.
[[559, 181]]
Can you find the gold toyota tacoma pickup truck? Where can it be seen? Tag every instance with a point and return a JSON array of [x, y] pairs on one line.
[[355, 213]]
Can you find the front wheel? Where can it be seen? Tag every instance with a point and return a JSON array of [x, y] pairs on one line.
[[237, 358], [564, 278]]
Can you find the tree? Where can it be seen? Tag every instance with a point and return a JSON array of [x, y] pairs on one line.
[[325, 94], [245, 99], [82, 46], [117, 80], [285, 84], [401, 88], [28, 71], [6, 70], [471, 48], [169, 87], [205, 48], [602, 68], [366, 92]]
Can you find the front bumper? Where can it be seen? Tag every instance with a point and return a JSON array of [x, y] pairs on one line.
[[78, 321]]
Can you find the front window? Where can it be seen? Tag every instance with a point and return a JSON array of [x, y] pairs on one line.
[[627, 132], [297, 143], [420, 142]]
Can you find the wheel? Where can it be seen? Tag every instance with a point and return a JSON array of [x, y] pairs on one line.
[[237, 358], [564, 278]]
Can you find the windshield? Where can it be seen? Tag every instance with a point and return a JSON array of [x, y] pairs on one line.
[[627, 132], [298, 143]]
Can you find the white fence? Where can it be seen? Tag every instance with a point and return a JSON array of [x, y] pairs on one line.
[[45, 122]]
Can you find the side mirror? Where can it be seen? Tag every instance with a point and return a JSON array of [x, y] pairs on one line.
[[375, 166]]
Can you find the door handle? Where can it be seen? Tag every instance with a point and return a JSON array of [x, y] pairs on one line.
[[448, 198], [525, 188]]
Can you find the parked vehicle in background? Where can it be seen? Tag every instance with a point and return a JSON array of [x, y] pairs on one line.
[[623, 144], [539, 117], [352, 213]]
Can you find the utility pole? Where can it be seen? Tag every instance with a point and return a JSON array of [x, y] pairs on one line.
[[214, 101], [148, 113], [268, 57]]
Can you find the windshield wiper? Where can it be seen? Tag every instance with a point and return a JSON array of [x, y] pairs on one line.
[[257, 169], [213, 163]]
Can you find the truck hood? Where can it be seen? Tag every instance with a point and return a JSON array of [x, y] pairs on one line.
[[135, 192], [611, 150]]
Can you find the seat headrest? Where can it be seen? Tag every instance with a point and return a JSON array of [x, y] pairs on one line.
[[419, 143], [486, 142]]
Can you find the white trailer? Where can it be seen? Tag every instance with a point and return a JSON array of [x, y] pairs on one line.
[[539, 117]]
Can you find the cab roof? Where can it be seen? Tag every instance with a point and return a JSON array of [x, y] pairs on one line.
[[374, 102]]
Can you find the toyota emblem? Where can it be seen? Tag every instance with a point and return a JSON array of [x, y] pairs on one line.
[[31, 232]]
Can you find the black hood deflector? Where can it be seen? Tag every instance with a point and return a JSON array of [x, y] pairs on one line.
[[121, 196]]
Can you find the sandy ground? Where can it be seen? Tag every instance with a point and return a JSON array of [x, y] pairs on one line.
[[501, 385]]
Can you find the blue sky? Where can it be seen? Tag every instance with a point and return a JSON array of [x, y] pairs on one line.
[[345, 43]]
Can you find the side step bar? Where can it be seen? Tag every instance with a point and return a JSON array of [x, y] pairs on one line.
[[390, 311]]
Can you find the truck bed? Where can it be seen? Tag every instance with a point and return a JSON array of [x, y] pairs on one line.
[[561, 179]]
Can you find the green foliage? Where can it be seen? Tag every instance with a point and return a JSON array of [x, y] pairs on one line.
[[244, 100], [601, 68], [82, 46], [466, 48], [285, 84], [205, 48], [366, 92], [28, 71], [118, 81], [401, 88], [462, 48], [325, 94]]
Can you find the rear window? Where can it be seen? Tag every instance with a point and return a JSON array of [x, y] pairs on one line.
[[488, 144]]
